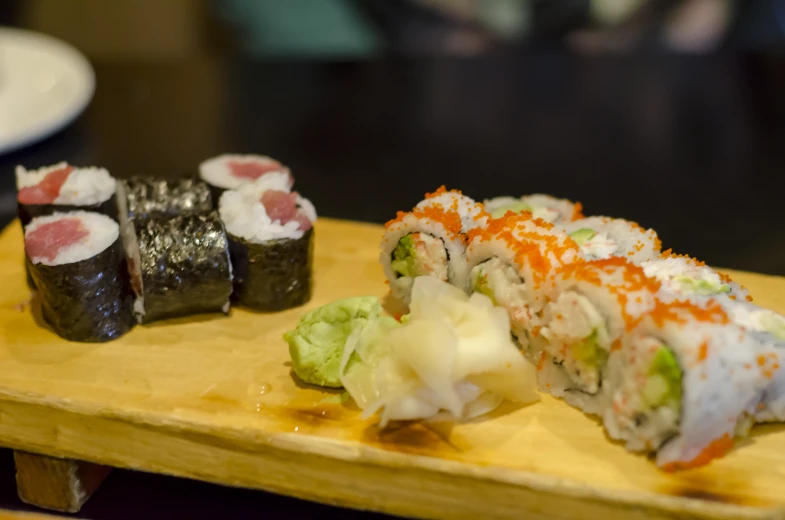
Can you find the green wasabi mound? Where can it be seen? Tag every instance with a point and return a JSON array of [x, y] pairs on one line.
[[316, 344]]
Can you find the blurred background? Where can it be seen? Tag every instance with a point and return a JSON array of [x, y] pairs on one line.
[[166, 29]]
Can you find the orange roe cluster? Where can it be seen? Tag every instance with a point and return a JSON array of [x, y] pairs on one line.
[[633, 279], [449, 217], [683, 311], [716, 449]]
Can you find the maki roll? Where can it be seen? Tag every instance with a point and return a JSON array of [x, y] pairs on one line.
[[591, 306], [510, 261], [271, 241], [767, 328], [230, 171], [430, 241], [545, 207], [604, 237], [63, 187], [78, 264], [683, 276], [685, 382], [179, 266], [143, 197]]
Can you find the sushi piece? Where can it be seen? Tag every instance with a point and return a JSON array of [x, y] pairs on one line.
[[63, 187], [685, 382], [271, 241], [767, 328], [604, 237], [592, 305], [143, 197], [510, 261], [179, 266], [230, 171], [683, 276], [79, 266], [545, 207], [430, 240]]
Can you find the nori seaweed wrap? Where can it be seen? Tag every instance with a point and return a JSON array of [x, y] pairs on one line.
[[85, 295], [179, 266], [143, 197], [273, 275]]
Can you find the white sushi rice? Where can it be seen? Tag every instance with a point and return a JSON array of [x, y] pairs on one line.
[[83, 187], [244, 215], [216, 171], [102, 233], [545, 207], [616, 237], [685, 277]]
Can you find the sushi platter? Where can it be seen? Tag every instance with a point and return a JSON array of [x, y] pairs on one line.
[[127, 355]]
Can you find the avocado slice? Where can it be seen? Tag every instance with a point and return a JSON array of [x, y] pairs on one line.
[[702, 287], [481, 285], [583, 235], [515, 207], [774, 324], [663, 385], [403, 257], [588, 351]]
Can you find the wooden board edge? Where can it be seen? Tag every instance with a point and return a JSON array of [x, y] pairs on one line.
[[350, 475]]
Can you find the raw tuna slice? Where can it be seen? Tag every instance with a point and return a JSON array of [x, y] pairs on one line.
[[46, 191], [282, 206], [47, 240], [252, 170]]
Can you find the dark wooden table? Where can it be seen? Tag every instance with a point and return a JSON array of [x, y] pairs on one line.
[[693, 147]]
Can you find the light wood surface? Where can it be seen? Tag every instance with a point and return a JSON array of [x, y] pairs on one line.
[[213, 399], [57, 484]]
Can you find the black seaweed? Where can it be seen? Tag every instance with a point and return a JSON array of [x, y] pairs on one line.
[[215, 193], [87, 301], [147, 197], [273, 275], [184, 265], [28, 212]]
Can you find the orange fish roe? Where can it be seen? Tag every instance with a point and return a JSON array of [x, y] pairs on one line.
[[724, 278], [577, 211], [716, 449], [441, 190], [670, 254], [633, 279], [768, 364], [542, 360], [682, 311], [703, 351], [451, 220]]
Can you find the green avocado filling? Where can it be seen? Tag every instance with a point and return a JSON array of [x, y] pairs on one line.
[[515, 207], [403, 257], [663, 386], [481, 285], [702, 287], [588, 351], [774, 324], [583, 235], [316, 344]]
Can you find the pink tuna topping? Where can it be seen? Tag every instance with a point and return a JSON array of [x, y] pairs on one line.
[[47, 240], [282, 206], [252, 170], [46, 191]]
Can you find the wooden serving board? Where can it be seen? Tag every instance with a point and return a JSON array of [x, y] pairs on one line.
[[214, 399]]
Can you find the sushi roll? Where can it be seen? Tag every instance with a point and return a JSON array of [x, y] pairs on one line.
[[604, 237], [271, 241], [179, 266], [685, 382], [143, 197], [430, 240], [767, 328], [63, 187], [591, 306], [79, 266], [545, 207], [230, 171], [510, 261], [682, 276]]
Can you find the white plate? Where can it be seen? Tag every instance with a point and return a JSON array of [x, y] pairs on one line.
[[44, 85]]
